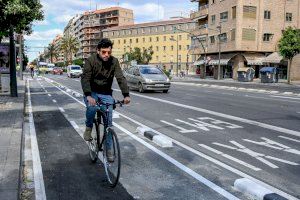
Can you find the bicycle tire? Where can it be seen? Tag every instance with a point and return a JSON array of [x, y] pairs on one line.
[[112, 169], [93, 144]]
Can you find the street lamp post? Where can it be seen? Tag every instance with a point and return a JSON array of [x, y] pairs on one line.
[[219, 65], [177, 66]]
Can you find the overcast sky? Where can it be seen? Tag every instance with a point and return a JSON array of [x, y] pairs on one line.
[[59, 12]]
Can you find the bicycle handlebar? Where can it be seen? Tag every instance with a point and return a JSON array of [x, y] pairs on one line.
[[117, 102]]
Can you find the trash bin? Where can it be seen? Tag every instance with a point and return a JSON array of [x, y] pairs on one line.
[[245, 74], [269, 75]]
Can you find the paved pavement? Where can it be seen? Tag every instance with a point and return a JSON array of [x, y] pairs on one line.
[[11, 124]]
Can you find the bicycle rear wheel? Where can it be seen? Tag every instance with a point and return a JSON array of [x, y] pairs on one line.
[[93, 144], [112, 169]]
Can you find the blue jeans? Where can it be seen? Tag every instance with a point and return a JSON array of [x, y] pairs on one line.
[[91, 112]]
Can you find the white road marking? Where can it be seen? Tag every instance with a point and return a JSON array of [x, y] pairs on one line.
[[288, 138], [230, 157], [184, 168], [181, 130], [54, 101], [216, 121], [247, 121], [282, 160], [75, 126], [211, 159], [49, 95], [61, 109], [203, 124], [199, 126], [285, 97], [284, 100], [39, 185]]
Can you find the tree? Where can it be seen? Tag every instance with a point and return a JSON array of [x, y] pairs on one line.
[[289, 46], [141, 57], [69, 45], [51, 53]]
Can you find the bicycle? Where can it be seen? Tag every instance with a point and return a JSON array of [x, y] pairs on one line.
[[98, 143]]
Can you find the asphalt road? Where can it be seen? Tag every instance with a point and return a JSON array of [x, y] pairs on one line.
[[219, 135]]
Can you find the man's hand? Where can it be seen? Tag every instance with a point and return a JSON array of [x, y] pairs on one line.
[[91, 100], [126, 100]]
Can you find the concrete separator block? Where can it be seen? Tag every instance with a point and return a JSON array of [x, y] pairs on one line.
[[162, 141], [142, 129], [149, 134]]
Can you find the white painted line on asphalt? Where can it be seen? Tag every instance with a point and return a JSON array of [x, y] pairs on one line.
[[288, 93], [249, 187], [230, 157], [284, 100], [39, 185], [224, 145], [75, 126], [288, 138], [54, 101], [49, 95], [295, 98], [184, 168], [247, 121], [181, 130], [211, 159], [61, 109], [282, 160]]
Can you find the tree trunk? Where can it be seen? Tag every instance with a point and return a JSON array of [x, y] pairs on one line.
[[289, 71], [12, 64]]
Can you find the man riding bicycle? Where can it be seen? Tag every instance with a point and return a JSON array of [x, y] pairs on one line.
[[96, 81]]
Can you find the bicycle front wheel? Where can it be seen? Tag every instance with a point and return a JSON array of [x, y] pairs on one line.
[[112, 166], [93, 144]]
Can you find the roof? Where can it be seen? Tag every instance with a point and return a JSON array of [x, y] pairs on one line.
[[159, 23], [106, 10], [244, 69], [273, 58]]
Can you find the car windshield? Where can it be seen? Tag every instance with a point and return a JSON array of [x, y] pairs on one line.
[[75, 68], [150, 70]]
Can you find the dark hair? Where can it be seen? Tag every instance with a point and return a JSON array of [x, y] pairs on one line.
[[104, 43]]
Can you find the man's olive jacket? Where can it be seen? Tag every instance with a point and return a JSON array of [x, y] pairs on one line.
[[98, 76]]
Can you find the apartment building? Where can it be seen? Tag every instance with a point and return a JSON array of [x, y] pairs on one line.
[[87, 27], [249, 31], [163, 38], [60, 55]]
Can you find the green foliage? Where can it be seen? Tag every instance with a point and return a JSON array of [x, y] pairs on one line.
[[69, 45], [142, 57], [19, 14], [78, 62], [51, 52], [289, 44]]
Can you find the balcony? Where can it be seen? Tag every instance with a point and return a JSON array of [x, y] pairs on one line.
[[200, 30], [200, 14]]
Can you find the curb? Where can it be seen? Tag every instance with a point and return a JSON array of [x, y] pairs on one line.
[[249, 187], [156, 138]]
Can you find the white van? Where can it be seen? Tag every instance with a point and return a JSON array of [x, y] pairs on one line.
[[74, 71]]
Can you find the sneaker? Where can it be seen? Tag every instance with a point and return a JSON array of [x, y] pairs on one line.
[[110, 155], [87, 134]]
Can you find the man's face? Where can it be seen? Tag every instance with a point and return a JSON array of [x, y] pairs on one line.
[[105, 53]]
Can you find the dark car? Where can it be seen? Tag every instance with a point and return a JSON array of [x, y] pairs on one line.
[[147, 77], [57, 70]]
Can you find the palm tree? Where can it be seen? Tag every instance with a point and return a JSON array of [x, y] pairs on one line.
[[51, 53], [69, 45]]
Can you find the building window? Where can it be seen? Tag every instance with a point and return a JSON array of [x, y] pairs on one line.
[[119, 42], [130, 41], [289, 17], [164, 47], [223, 37], [249, 12], [213, 19], [156, 29], [248, 34], [187, 47], [137, 40], [179, 47], [172, 48], [157, 39], [232, 34], [157, 48], [157, 58], [150, 39], [233, 12], [267, 37], [213, 1], [144, 39], [179, 37], [165, 38], [224, 16], [124, 41], [164, 28], [212, 39], [143, 30], [267, 14]]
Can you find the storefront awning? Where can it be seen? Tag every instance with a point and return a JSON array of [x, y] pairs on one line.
[[216, 62], [199, 62], [244, 69], [273, 58], [254, 59]]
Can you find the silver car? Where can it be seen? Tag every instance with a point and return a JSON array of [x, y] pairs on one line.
[[147, 77]]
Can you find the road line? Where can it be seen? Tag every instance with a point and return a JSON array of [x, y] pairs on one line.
[[54, 101], [182, 130], [248, 121], [224, 145], [61, 109], [286, 97], [271, 99], [288, 138], [75, 126], [39, 185], [282, 160], [189, 171], [49, 95], [209, 158]]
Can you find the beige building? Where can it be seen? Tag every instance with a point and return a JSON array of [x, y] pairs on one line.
[[87, 27], [60, 55], [249, 31], [161, 36]]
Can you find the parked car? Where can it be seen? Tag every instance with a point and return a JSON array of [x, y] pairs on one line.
[[57, 70], [74, 71], [147, 77]]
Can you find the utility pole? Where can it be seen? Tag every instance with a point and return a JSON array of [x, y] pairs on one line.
[[12, 63], [21, 56], [219, 65], [177, 66]]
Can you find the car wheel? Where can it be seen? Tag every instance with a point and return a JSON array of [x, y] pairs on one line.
[[141, 89], [165, 91]]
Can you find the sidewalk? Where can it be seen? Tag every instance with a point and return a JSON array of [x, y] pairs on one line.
[[281, 86], [11, 125]]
